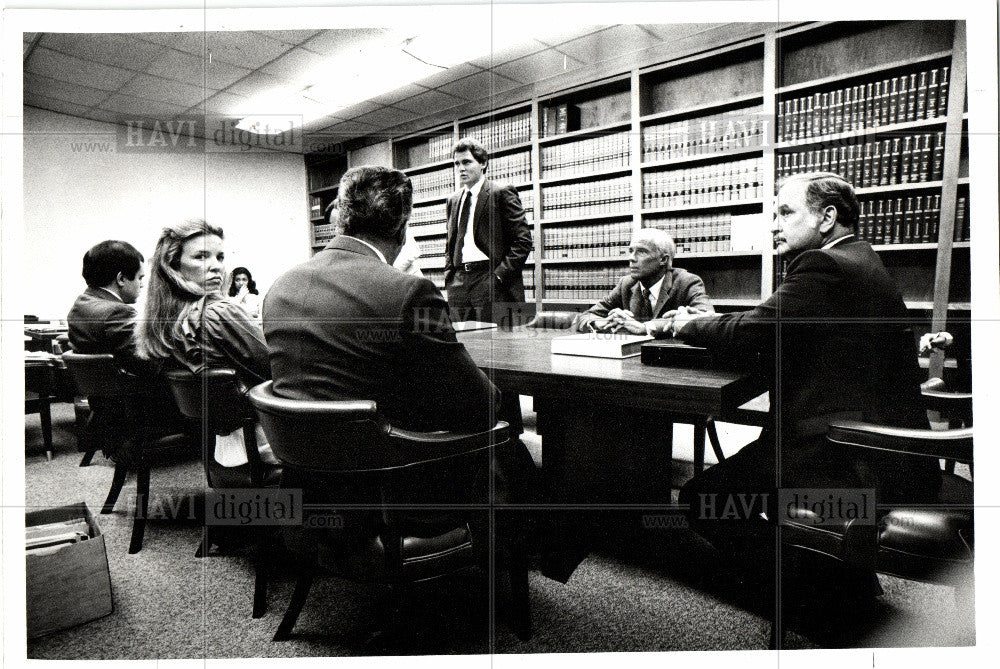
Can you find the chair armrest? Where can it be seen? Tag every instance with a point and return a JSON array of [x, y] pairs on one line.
[[947, 444], [948, 403], [442, 444]]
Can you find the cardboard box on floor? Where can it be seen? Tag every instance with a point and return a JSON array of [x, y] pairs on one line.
[[71, 585]]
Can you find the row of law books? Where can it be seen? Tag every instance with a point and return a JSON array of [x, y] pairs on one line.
[[604, 196], [439, 147], [559, 119], [911, 158], [706, 184], [585, 155], [737, 129], [433, 184], [527, 197], [511, 167], [580, 283], [431, 248], [908, 220], [528, 277], [707, 233], [501, 132], [323, 232], [315, 207], [436, 276], [908, 97], [428, 214], [597, 240]]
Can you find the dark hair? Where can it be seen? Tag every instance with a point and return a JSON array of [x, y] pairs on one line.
[[826, 189], [374, 201], [477, 150], [102, 263], [251, 284]]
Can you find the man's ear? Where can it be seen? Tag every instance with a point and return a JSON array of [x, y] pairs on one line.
[[121, 279], [829, 220]]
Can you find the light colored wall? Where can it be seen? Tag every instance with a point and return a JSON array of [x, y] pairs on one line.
[[79, 189]]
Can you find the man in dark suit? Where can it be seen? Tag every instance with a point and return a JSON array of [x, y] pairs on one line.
[[654, 289], [834, 344], [101, 320], [488, 242], [346, 324]]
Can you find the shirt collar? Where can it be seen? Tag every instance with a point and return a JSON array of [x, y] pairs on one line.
[[654, 290], [112, 294], [838, 240], [476, 187], [377, 252]]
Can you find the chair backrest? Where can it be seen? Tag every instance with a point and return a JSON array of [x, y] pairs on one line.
[[98, 375], [38, 377], [215, 397], [324, 436]]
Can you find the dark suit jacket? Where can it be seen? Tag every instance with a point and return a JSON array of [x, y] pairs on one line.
[[100, 323], [680, 288], [500, 231], [345, 325], [834, 342]]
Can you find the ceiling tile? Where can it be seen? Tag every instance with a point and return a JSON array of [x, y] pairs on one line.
[[607, 44], [225, 103], [289, 36], [404, 93], [168, 90], [195, 70], [447, 76], [338, 41], [29, 37], [131, 105], [675, 31], [478, 86], [52, 104], [68, 68], [192, 42], [120, 50], [358, 109], [60, 90], [511, 53], [557, 36], [257, 82], [429, 102], [245, 49], [537, 67], [385, 117], [295, 64]]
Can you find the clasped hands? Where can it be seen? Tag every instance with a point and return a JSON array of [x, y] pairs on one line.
[[618, 320]]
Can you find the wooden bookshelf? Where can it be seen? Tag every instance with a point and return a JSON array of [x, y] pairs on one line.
[[323, 175], [616, 135]]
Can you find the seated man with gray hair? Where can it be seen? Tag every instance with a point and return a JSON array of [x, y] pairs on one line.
[[645, 299]]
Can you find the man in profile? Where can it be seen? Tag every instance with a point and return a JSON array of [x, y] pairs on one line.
[[651, 291], [834, 344], [102, 318]]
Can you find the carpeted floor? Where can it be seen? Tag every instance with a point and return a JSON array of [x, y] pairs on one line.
[[642, 589]]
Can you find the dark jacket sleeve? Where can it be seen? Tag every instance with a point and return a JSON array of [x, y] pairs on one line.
[[754, 331], [234, 339], [517, 234], [444, 388]]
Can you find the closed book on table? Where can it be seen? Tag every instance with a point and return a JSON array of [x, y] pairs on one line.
[[600, 344]]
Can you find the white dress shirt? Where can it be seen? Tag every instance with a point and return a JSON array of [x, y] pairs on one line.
[[471, 252]]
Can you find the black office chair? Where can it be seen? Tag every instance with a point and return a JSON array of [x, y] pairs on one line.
[[118, 425], [932, 542], [39, 383], [216, 401], [406, 531], [68, 392]]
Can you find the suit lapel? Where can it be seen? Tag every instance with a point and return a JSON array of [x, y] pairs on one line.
[[479, 217], [635, 301], [665, 292]]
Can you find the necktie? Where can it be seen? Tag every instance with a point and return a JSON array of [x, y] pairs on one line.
[[463, 226], [645, 311]]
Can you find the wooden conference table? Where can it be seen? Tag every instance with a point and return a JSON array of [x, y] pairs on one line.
[[606, 424]]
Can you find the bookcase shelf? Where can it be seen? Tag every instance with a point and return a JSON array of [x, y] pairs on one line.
[[639, 112]]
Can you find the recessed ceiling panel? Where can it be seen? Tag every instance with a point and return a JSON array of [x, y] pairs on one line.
[[195, 70], [339, 41], [428, 103], [478, 86], [294, 37], [608, 44], [52, 104], [192, 42], [294, 64], [542, 65], [130, 105], [385, 117], [166, 90]]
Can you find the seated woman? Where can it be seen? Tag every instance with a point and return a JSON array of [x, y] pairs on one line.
[[243, 291], [187, 321]]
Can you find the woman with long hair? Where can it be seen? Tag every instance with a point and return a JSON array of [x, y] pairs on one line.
[[243, 291], [186, 319]]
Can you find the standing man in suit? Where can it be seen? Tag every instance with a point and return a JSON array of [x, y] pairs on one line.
[[488, 241], [652, 290], [834, 343], [101, 319]]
